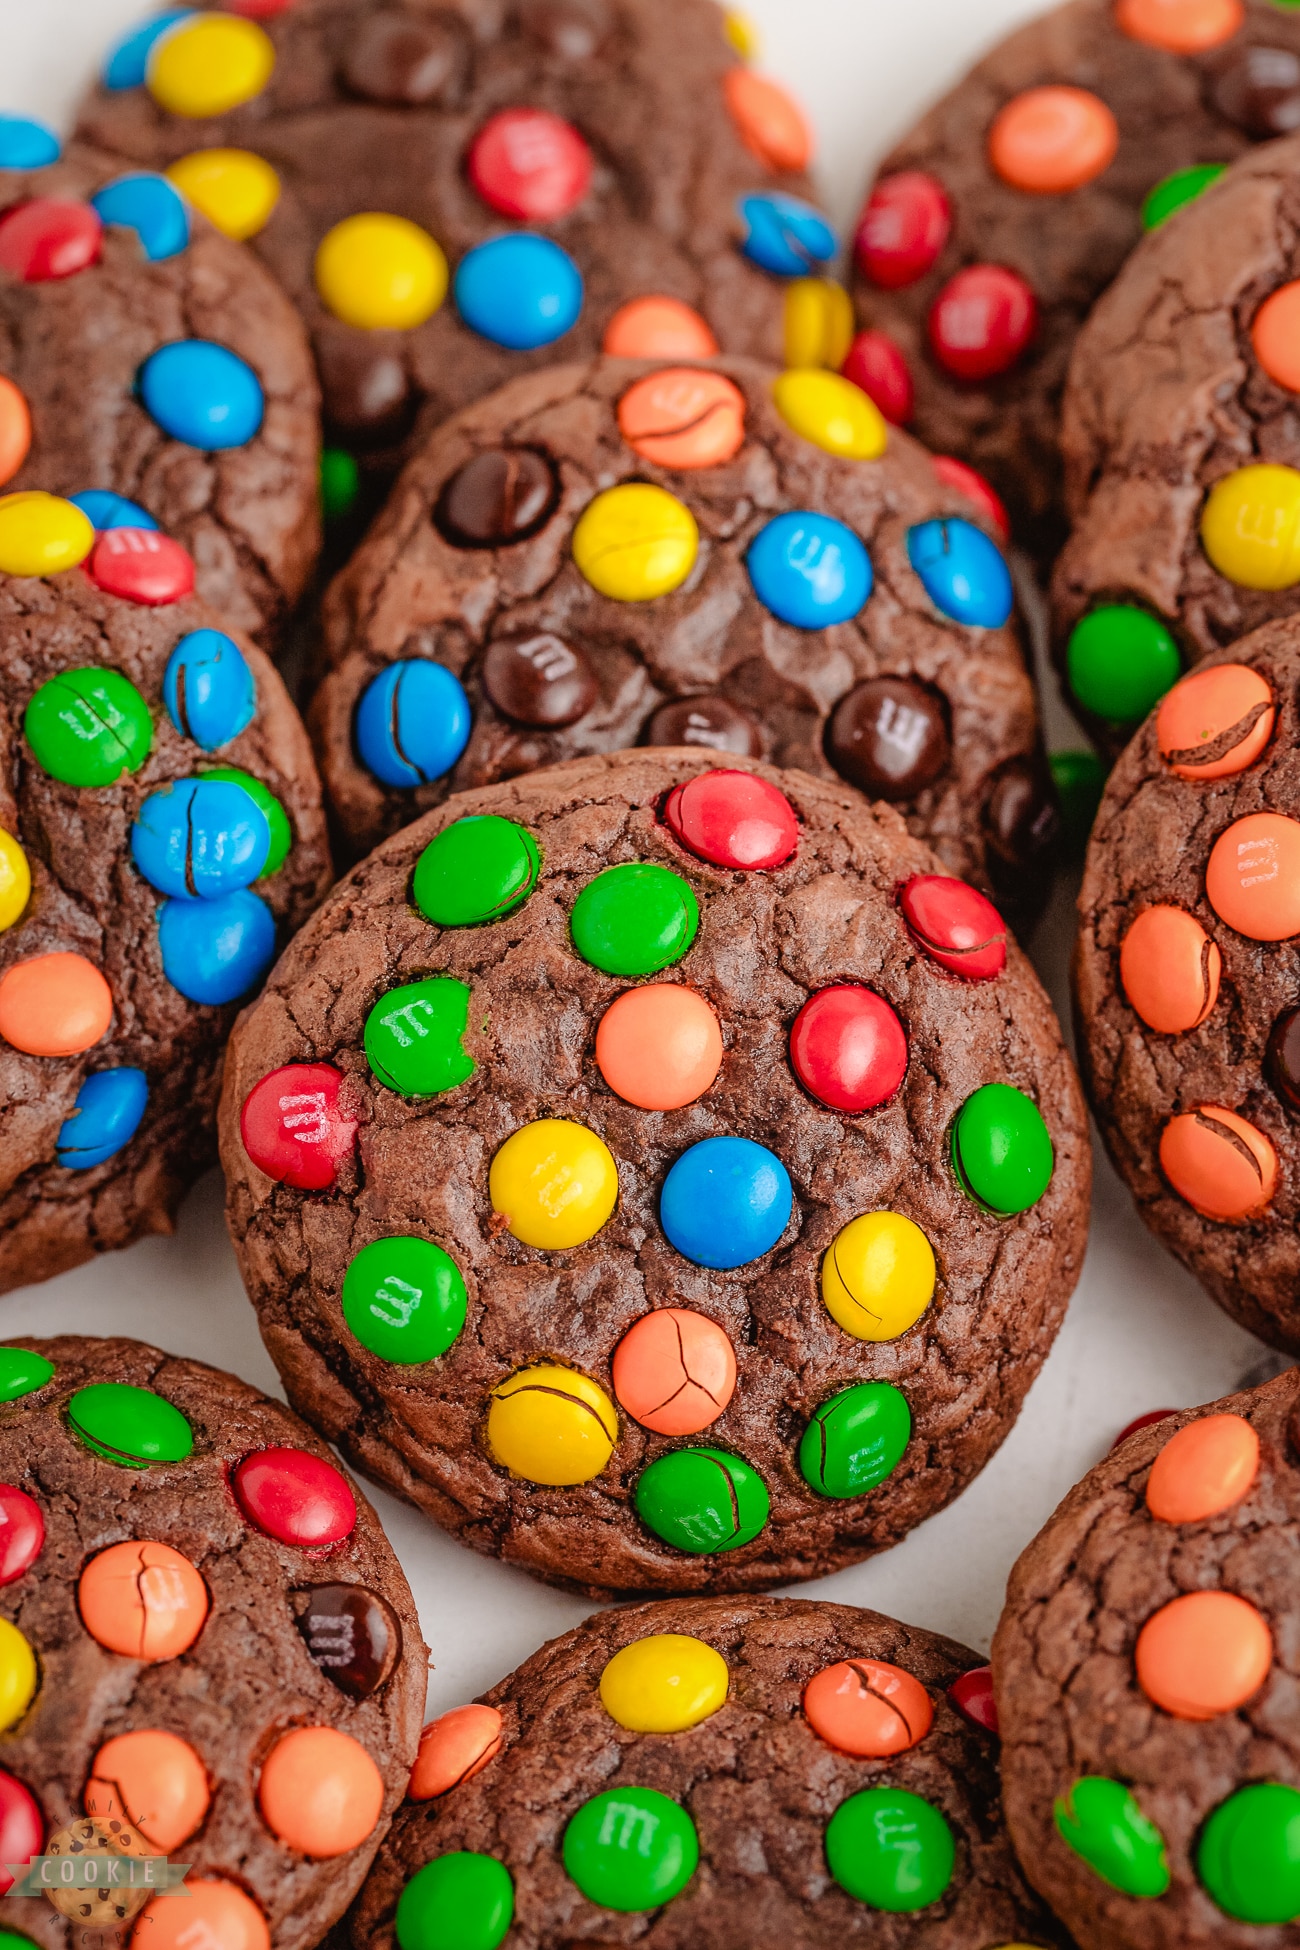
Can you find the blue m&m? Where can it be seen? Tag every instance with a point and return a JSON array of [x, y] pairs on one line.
[[105, 1116], [810, 570], [128, 59], [202, 394], [214, 951], [520, 291], [785, 235], [148, 205], [413, 723], [962, 571], [104, 510], [200, 838], [725, 1202], [26, 143], [208, 689]]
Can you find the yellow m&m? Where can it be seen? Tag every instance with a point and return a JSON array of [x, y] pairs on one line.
[[41, 534], [833, 413], [818, 323], [15, 880], [878, 1277], [741, 33], [17, 1675], [552, 1426], [636, 542], [209, 65], [381, 273], [664, 1684], [555, 1183], [234, 189], [1250, 527]]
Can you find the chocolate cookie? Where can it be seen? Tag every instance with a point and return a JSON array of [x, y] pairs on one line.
[[1144, 1690], [205, 1639], [758, 1774], [152, 364], [453, 193], [994, 226], [160, 823], [709, 1281], [1187, 975], [610, 553]]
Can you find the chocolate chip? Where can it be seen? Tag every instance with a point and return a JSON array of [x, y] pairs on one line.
[[402, 61], [353, 1635], [1282, 1058], [573, 29], [1023, 824], [1258, 88], [538, 679], [364, 384], [498, 497], [714, 722], [889, 736]]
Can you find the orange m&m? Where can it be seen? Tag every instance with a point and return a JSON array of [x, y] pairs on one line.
[[1253, 877], [1275, 336], [1170, 970], [659, 1047], [866, 1708], [683, 418], [1050, 140], [1203, 1469], [203, 1915], [771, 125], [320, 1791], [1224, 1167], [1181, 26], [143, 1600], [1215, 722], [658, 328], [152, 1779], [15, 429], [1203, 1654], [453, 1749], [54, 1005], [674, 1371]]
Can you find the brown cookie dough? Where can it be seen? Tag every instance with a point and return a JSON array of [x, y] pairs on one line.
[[637, 173], [461, 1415], [75, 345], [794, 1709], [473, 564], [88, 900], [153, 1502], [1171, 110], [1144, 1692], [1186, 975]]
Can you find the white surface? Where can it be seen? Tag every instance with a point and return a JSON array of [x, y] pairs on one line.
[[1140, 1334]]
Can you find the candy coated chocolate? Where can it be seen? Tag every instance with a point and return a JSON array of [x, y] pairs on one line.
[[539, 679], [1205, 1468], [1224, 1166], [550, 1425], [295, 1497], [410, 63], [1282, 1058], [129, 1425], [956, 926], [22, 1532], [972, 1695], [141, 566], [631, 1849], [889, 736], [1170, 970], [733, 819], [712, 723], [890, 1849], [982, 322], [497, 498], [320, 1792], [153, 1780], [866, 1708], [659, 1047], [22, 1830], [474, 871], [856, 1439], [1215, 722], [520, 291], [902, 230], [294, 1129], [849, 1048], [682, 417], [49, 238], [702, 1501], [725, 1202], [674, 1371], [635, 919], [1258, 88], [143, 1600], [352, 1634], [216, 950], [412, 723], [453, 1748], [1203, 1654], [1246, 1858]]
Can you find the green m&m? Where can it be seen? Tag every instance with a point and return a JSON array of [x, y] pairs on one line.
[[1172, 192], [404, 1299], [272, 811], [856, 1439], [340, 482], [1120, 661], [1249, 1857], [89, 726], [22, 1372], [890, 1849], [1080, 779], [635, 919], [413, 1037], [474, 871], [1001, 1151], [631, 1849], [1102, 1823], [129, 1425], [702, 1500], [460, 1901]]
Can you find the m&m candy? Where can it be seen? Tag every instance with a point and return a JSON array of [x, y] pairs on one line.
[[199, 838], [536, 678], [520, 291], [1101, 1822], [635, 542], [202, 394], [141, 566], [104, 510], [234, 189], [848, 1048], [26, 143], [319, 1791], [630, 1849], [771, 125], [674, 1371], [551, 1425], [458, 1896], [151, 207], [219, 1909], [475, 871], [956, 474], [353, 1635], [866, 1708], [963, 573], [1205, 1468], [143, 1600], [1274, 336], [658, 328], [879, 1276], [809, 570], [956, 926], [15, 429], [19, 1675], [1247, 1858], [972, 1695], [1215, 722], [215, 950], [784, 235], [818, 323], [702, 1500], [555, 1183], [1001, 1150], [1252, 878], [664, 1684], [128, 58], [530, 164], [1172, 192], [208, 64], [902, 229], [22, 1372], [104, 1118], [890, 1849], [295, 1497], [15, 880], [879, 367], [404, 1299], [832, 413], [54, 1005], [1052, 139], [413, 723], [454, 1748], [22, 1533], [1203, 1654], [500, 496], [413, 1037], [208, 689], [152, 1779], [725, 1202], [49, 238], [1180, 26], [982, 322], [88, 726], [682, 417], [129, 1425], [22, 1833], [733, 819], [890, 736], [1250, 526], [1170, 970], [294, 1127], [380, 272], [856, 1439], [41, 535], [635, 919], [1225, 1167], [659, 1047], [1121, 660]]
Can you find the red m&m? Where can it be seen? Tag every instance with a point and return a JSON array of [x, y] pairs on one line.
[[141, 566], [22, 1827], [956, 926], [526, 162], [22, 1533], [955, 473], [982, 321], [293, 1127], [1147, 1421], [733, 819], [902, 230], [848, 1048], [295, 1497], [49, 238], [972, 1695], [878, 366]]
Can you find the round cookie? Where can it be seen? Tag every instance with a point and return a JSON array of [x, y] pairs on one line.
[[612, 553], [203, 1633], [1186, 975], [459, 194], [144, 355], [1182, 456], [998, 221], [160, 825], [1146, 1706], [794, 1773], [645, 1301]]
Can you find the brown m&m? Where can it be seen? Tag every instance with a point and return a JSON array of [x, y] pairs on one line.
[[1258, 89], [352, 1634], [404, 62], [889, 737], [496, 498], [1282, 1058], [538, 679], [714, 723]]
